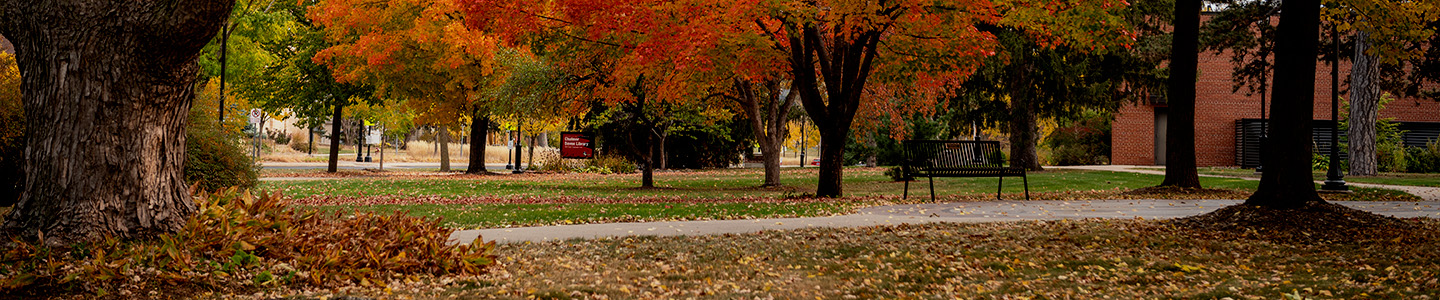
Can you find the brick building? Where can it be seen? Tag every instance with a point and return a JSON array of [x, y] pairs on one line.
[[1217, 110]]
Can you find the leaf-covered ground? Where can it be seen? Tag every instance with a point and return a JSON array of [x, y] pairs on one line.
[[1091, 259], [491, 201], [1415, 179]]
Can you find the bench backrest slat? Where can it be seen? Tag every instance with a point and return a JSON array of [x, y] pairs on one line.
[[930, 155]]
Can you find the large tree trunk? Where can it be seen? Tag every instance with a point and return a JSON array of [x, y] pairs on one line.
[[107, 86], [1024, 127], [1364, 106], [335, 137], [1023, 137], [443, 139], [832, 163], [1180, 135], [479, 136], [1286, 182]]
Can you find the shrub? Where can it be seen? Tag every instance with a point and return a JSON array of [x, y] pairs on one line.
[[1084, 141], [1390, 156], [238, 241], [550, 161], [1319, 162], [214, 158], [1424, 159], [280, 138], [300, 145], [609, 164], [897, 174]]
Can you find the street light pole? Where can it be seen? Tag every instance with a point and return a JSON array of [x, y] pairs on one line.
[[803, 144], [1334, 180], [519, 136]]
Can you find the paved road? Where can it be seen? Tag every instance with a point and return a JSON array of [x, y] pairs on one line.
[[970, 212]]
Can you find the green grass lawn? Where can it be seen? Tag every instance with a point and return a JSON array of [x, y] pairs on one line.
[[546, 199], [713, 184]]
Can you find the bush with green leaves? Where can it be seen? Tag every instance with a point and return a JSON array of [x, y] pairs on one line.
[[1083, 141], [1391, 157], [898, 174], [606, 164], [215, 159], [1424, 159]]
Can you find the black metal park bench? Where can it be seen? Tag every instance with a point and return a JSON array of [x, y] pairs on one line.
[[924, 158]]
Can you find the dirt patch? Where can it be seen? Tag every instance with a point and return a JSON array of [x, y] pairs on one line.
[[1315, 222]]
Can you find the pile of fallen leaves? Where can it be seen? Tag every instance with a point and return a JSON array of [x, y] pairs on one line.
[[1314, 222], [239, 242]]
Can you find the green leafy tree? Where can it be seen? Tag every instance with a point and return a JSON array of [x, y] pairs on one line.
[[295, 82]]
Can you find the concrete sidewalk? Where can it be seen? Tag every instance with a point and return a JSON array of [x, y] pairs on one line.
[[1427, 193], [970, 212]]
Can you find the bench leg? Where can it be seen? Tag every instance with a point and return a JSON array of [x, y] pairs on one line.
[[907, 190], [1027, 186], [998, 187], [932, 188]]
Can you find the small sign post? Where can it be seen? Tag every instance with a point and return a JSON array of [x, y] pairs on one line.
[[256, 116]]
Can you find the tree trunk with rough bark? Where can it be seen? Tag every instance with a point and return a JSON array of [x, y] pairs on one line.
[[832, 163], [647, 162], [1364, 107], [1024, 128], [335, 138], [663, 158], [769, 125], [107, 87], [1287, 181], [1180, 134], [479, 137], [1024, 137], [443, 140]]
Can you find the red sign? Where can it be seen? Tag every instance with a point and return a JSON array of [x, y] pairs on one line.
[[577, 145]]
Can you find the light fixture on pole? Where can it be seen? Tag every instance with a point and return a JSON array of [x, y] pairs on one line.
[[1334, 180]]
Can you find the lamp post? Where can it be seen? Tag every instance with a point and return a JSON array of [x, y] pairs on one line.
[[519, 136], [1334, 180], [803, 145]]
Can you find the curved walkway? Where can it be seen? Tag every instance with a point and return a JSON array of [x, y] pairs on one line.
[[1424, 192], [969, 212]]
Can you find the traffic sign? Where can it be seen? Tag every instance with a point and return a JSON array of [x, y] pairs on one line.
[[255, 116]]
